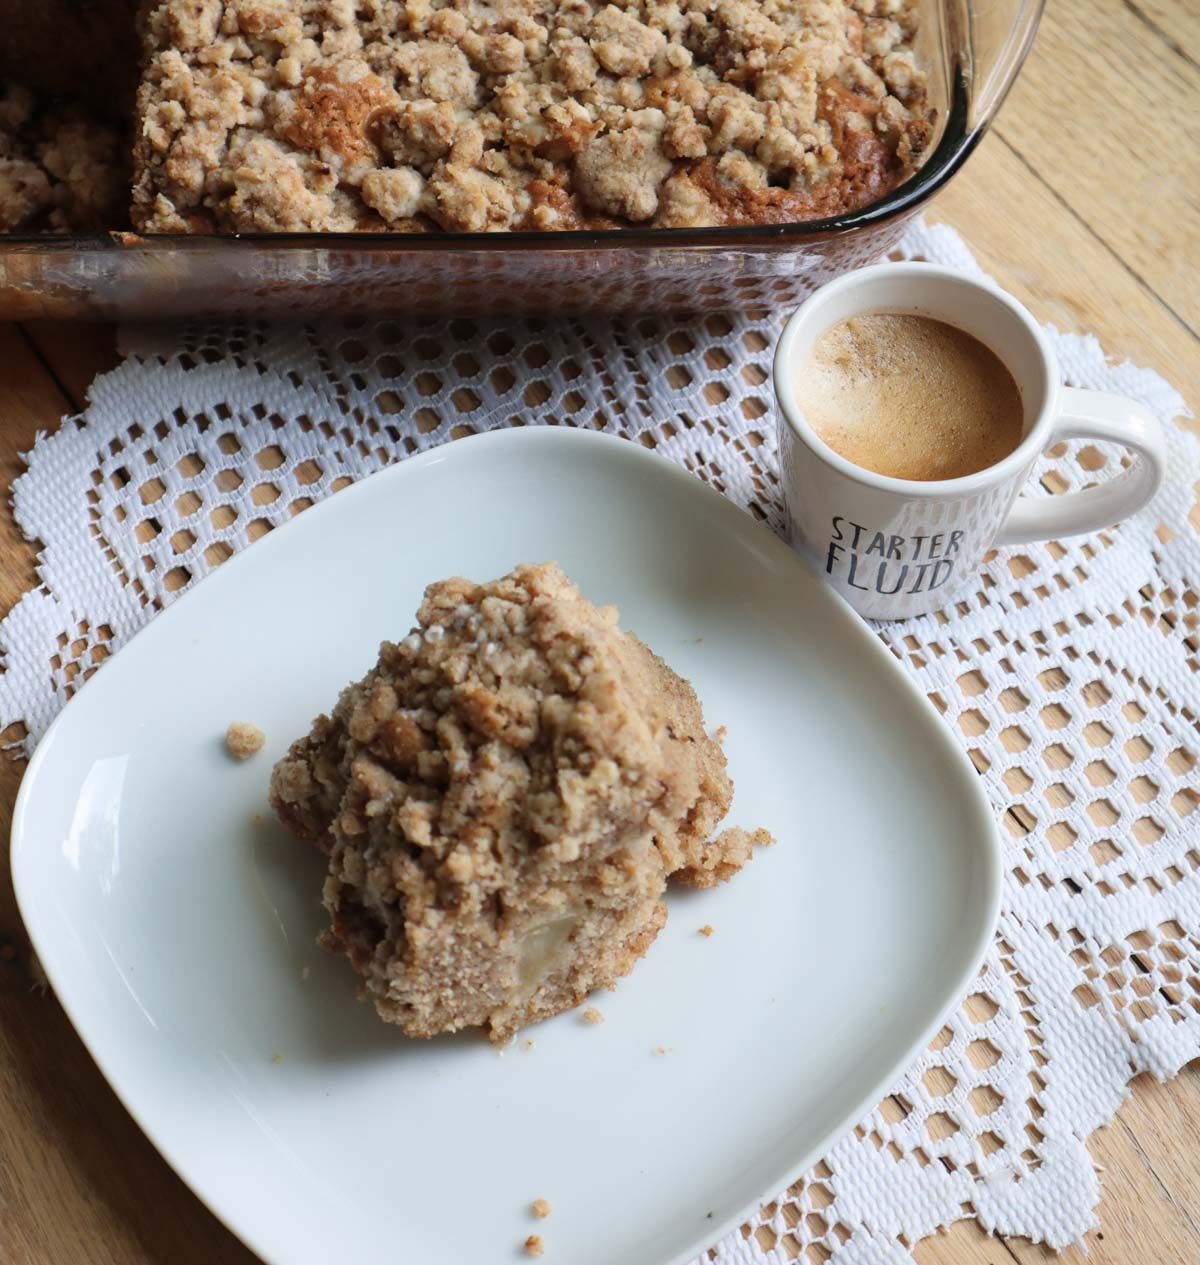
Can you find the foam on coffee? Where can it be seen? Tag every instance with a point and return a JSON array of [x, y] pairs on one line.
[[910, 397]]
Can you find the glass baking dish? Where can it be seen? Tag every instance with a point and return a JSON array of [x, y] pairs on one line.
[[971, 50]]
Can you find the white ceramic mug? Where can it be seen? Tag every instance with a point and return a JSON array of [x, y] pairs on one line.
[[898, 547]]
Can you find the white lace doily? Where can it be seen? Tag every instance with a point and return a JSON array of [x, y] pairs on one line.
[[1070, 675]]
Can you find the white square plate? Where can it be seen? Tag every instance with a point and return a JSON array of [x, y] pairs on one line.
[[178, 931]]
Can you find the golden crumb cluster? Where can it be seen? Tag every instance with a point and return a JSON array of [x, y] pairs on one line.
[[244, 739], [480, 115], [502, 799]]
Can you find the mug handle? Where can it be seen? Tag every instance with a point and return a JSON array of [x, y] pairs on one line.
[[1093, 415]]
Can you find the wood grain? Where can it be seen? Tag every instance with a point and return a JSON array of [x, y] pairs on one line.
[[73, 354], [29, 401], [1105, 115], [1082, 203], [1175, 22]]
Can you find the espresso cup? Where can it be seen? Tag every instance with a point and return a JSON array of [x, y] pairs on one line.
[[894, 548]]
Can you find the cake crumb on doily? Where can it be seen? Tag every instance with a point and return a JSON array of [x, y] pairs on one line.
[[244, 739], [592, 1015]]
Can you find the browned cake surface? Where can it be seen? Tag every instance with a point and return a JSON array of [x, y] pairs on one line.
[[331, 115], [502, 799], [60, 170]]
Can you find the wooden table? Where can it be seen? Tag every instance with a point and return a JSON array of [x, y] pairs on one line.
[[1081, 201]]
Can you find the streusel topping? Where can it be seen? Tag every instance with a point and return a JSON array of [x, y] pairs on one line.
[[331, 115]]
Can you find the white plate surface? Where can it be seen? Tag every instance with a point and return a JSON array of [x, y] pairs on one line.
[[179, 933]]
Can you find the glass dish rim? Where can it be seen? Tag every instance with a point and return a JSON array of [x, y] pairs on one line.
[[957, 141]]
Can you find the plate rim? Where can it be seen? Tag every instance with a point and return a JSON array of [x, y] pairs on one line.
[[987, 843]]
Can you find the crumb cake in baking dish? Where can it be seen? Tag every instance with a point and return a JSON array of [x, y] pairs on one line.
[[502, 799], [468, 115]]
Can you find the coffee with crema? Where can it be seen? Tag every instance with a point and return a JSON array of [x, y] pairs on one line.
[[910, 397]]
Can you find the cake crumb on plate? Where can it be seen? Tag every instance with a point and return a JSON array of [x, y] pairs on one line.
[[706, 930], [540, 1208], [244, 739], [534, 1245], [592, 1015], [722, 857]]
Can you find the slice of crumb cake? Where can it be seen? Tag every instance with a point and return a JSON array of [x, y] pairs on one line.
[[502, 799]]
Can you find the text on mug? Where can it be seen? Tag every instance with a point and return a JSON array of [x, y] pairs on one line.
[[878, 562]]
